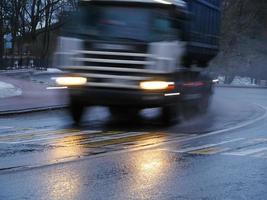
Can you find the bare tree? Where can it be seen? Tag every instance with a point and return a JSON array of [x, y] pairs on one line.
[[25, 20], [4, 7], [1, 29]]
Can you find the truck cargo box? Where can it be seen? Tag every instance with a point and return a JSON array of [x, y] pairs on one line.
[[202, 31]]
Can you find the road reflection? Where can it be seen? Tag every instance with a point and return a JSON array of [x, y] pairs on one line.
[[63, 185], [89, 144], [151, 164], [150, 168], [67, 148]]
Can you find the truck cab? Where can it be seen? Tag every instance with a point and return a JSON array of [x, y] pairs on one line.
[[130, 55]]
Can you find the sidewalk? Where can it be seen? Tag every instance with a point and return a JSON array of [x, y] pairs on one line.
[[33, 97], [9, 90]]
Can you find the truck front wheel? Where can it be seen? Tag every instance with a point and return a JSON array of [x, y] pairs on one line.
[[76, 109]]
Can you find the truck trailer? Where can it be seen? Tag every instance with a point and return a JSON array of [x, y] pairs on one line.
[[130, 55]]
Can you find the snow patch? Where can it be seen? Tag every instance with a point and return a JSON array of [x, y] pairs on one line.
[[247, 81], [9, 90], [53, 70]]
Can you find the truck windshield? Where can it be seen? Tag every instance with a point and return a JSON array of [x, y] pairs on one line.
[[133, 23]]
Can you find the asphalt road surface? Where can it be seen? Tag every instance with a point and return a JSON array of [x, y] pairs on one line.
[[219, 155]]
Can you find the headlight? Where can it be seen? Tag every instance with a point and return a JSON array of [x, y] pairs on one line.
[[156, 85], [71, 81], [215, 80]]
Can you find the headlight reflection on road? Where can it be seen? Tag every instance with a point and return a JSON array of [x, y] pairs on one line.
[[151, 166], [149, 172], [151, 163], [67, 148], [63, 185]]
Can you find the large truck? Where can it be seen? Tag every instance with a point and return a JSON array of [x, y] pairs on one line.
[[130, 55]]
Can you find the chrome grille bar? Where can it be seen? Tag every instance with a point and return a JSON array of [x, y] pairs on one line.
[[100, 60], [112, 85], [113, 69], [108, 76], [114, 53]]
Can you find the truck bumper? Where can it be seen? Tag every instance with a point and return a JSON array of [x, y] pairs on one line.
[[111, 97]]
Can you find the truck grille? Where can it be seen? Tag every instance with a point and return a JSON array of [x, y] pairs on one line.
[[112, 68]]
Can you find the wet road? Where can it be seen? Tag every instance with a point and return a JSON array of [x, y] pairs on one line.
[[219, 155]]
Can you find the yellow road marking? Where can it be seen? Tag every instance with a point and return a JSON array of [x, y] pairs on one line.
[[209, 151], [25, 136], [122, 140], [83, 137]]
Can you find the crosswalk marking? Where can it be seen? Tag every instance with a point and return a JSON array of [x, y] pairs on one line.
[[96, 143], [35, 133], [203, 146], [85, 138], [256, 147], [31, 138], [247, 147], [65, 141]]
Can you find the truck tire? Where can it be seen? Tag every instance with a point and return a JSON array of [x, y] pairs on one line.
[[170, 114], [76, 109]]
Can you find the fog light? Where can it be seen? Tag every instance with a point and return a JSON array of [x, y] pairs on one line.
[[155, 85], [71, 81]]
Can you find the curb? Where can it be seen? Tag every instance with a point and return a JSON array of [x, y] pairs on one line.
[[31, 110]]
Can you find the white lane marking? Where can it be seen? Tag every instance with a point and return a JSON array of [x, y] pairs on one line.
[[246, 152], [241, 125], [202, 146]]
